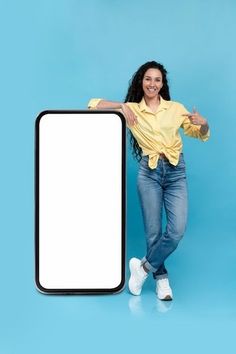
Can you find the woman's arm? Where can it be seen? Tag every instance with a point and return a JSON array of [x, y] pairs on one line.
[[119, 106], [194, 124], [109, 104], [197, 119], [204, 128]]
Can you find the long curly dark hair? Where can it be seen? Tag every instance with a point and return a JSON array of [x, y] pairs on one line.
[[135, 94]]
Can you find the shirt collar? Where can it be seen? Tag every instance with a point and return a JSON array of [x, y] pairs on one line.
[[163, 105]]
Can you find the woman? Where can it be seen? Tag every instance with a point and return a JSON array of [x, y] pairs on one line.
[[154, 121]]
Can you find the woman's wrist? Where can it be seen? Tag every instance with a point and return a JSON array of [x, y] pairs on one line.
[[204, 127]]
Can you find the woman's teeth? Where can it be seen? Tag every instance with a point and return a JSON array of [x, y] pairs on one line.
[[151, 90]]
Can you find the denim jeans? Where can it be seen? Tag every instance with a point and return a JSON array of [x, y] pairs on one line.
[[165, 186]]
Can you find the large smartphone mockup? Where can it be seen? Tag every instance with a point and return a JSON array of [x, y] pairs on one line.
[[80, 201]]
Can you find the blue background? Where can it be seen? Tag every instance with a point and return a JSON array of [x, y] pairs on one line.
[[59, 54]]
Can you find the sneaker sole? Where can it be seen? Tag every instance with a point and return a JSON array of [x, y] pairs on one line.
[[130, 280], [167, 298], [131, 292]]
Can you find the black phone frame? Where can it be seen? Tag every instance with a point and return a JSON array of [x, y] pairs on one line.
[[96, 291]]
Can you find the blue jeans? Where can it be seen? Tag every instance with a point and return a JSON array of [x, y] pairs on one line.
[[163, 186]]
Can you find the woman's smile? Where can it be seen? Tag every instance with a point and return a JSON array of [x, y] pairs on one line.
[[152, 82]]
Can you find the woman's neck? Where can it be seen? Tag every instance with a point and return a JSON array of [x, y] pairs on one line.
[[152, 103]]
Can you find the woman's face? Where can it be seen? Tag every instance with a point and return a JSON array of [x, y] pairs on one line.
[[152, 83]]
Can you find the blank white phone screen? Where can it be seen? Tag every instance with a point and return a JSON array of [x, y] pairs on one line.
[[80, 200]]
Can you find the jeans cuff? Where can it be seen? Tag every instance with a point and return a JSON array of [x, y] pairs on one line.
[[161, 276], [148, 265]]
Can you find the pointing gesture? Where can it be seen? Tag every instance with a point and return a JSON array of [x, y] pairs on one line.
[[195, 117]]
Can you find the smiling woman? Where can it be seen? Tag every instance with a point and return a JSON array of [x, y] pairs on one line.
[[152, 84], [154, 122]]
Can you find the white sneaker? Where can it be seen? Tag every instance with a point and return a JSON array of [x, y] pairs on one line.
[[137, 277], [163, 289]]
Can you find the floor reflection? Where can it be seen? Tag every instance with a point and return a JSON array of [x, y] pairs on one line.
[[135, 305], [140, 305], [163, 306]]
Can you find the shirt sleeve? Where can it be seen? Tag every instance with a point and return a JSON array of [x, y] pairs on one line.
[[191, 129], [94, 102]]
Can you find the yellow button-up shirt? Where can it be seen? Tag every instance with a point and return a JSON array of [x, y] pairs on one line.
[[158, 132]]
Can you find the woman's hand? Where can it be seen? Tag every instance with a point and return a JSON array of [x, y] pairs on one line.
[[196, 118], [129, 114]]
